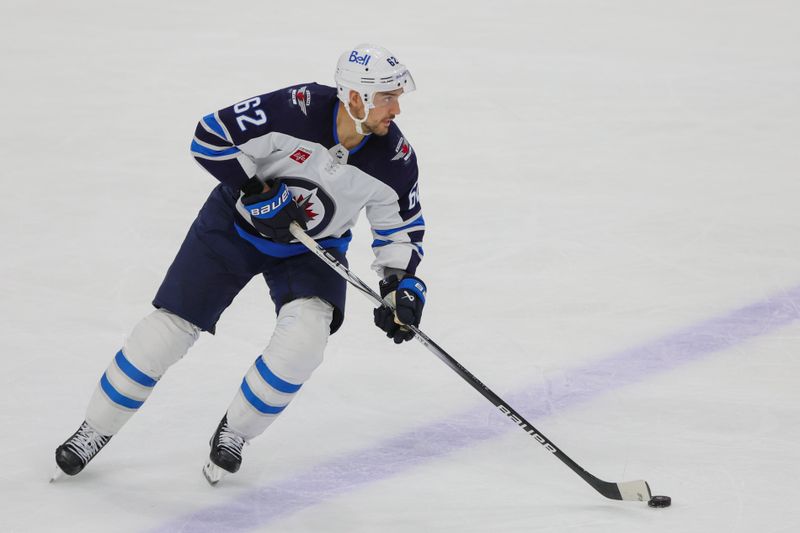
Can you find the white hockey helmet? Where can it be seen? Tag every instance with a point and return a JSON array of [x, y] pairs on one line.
[[368, 69]]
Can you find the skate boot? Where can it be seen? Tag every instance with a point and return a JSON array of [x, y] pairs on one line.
[[226, 453], [79, 449]]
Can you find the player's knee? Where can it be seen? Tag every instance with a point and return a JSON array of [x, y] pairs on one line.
[[159, 340], [299, 340]]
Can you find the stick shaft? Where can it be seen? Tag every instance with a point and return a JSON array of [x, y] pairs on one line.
[[632, 490]]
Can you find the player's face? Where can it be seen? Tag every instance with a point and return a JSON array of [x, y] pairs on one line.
[[387, 106]]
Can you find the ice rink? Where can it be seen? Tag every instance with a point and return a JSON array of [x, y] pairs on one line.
[[611, 190]]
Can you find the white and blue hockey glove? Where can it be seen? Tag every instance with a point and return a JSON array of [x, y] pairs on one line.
[[408, 296], [272, 210]]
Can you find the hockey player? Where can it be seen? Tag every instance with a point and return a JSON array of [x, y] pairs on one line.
[[309, 153]]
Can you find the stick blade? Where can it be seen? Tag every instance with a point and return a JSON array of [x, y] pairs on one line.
[[636, 491], [631, 491]]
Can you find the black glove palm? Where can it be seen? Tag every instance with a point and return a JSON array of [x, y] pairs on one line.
[[272, 212], [408, 296]]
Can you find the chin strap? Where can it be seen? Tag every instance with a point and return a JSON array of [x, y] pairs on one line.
[[358, 121]]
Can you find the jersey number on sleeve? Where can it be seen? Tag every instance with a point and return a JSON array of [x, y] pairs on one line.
[[412, 198], [242, 120]]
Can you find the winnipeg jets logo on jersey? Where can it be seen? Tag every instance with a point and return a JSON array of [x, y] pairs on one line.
[[302, 98], [403, 150], [317, 202]]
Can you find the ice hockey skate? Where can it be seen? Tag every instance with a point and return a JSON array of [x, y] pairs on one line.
[[226, 453], [78, 450]]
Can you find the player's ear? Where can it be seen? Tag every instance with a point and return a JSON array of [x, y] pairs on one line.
[[356, 103]]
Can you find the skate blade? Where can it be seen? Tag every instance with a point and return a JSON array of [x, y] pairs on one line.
[[213, 473], [56, 475]]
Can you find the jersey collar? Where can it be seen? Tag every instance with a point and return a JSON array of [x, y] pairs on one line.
[[336, 133]]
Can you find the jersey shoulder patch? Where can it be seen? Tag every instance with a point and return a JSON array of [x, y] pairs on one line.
[[392, 160], [304, 99], [402, 149]]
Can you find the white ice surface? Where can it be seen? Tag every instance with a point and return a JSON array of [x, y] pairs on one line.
[[596, 176]]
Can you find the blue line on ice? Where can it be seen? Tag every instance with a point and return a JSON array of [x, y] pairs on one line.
[[264, 505]]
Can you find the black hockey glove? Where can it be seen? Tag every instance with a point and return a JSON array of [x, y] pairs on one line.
[[272, 212], [408, 296]]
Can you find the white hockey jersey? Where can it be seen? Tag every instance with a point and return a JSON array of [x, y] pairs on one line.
[[291, 134]]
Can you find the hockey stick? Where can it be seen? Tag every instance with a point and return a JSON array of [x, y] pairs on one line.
[[628, 490]]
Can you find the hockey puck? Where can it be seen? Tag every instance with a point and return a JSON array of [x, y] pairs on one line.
[[660, 501]]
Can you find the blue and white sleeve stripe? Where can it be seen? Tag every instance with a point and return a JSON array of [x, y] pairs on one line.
[[399, 246], [212, 141], [212, 123], [410, 231], [202, 149], [414, 225]]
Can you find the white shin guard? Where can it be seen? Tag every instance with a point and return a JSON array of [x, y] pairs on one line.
[[293, 353], [159, 340]]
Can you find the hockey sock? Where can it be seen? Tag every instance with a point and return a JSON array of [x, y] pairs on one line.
[[294, 351], [156, 342]]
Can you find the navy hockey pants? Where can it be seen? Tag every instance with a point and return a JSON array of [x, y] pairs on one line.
[[214, 264]]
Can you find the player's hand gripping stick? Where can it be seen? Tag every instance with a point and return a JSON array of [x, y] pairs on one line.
[[272, 208], [407, 297]]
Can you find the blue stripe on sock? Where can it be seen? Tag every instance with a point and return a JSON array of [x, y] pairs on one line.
[[274, 381], [116, 397], [132, 372], [256, 402]]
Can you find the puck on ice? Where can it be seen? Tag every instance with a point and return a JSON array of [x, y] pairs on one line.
[[660, 501]]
